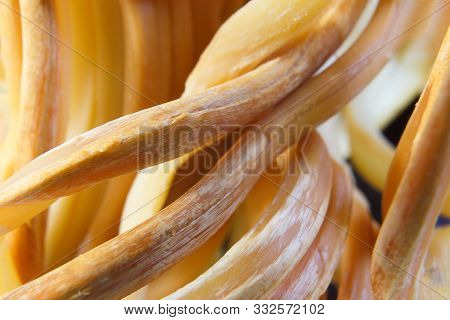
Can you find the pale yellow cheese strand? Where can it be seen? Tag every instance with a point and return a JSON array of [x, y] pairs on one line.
[[96, 97]]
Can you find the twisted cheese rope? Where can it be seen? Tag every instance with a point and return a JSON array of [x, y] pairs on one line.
[[178, 235], [124, 285], [46, 179]]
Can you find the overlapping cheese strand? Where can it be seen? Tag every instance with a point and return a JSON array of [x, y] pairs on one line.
[[252, 12], [145, 56], [152, 189], [266, 250], [256, 51], [150, 54], [279, 272], [328, 29], [218, 60]]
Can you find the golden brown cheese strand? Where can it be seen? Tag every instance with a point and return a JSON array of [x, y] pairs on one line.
[[189, 268], [38, 128], [246, 40], [206, 16], [127, 262], [417, 186], [311, 276], [283, 234]]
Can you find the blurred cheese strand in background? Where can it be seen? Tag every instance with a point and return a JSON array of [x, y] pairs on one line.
[[11, 51], [182, 44], [354, 275], [147, 69], [4, 111], [38, 125], [247, 51], [207, 16], [333, 130], [436, 270], [257, 201], [94, 53], [401, 80], [405, 73], [335, 135]]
